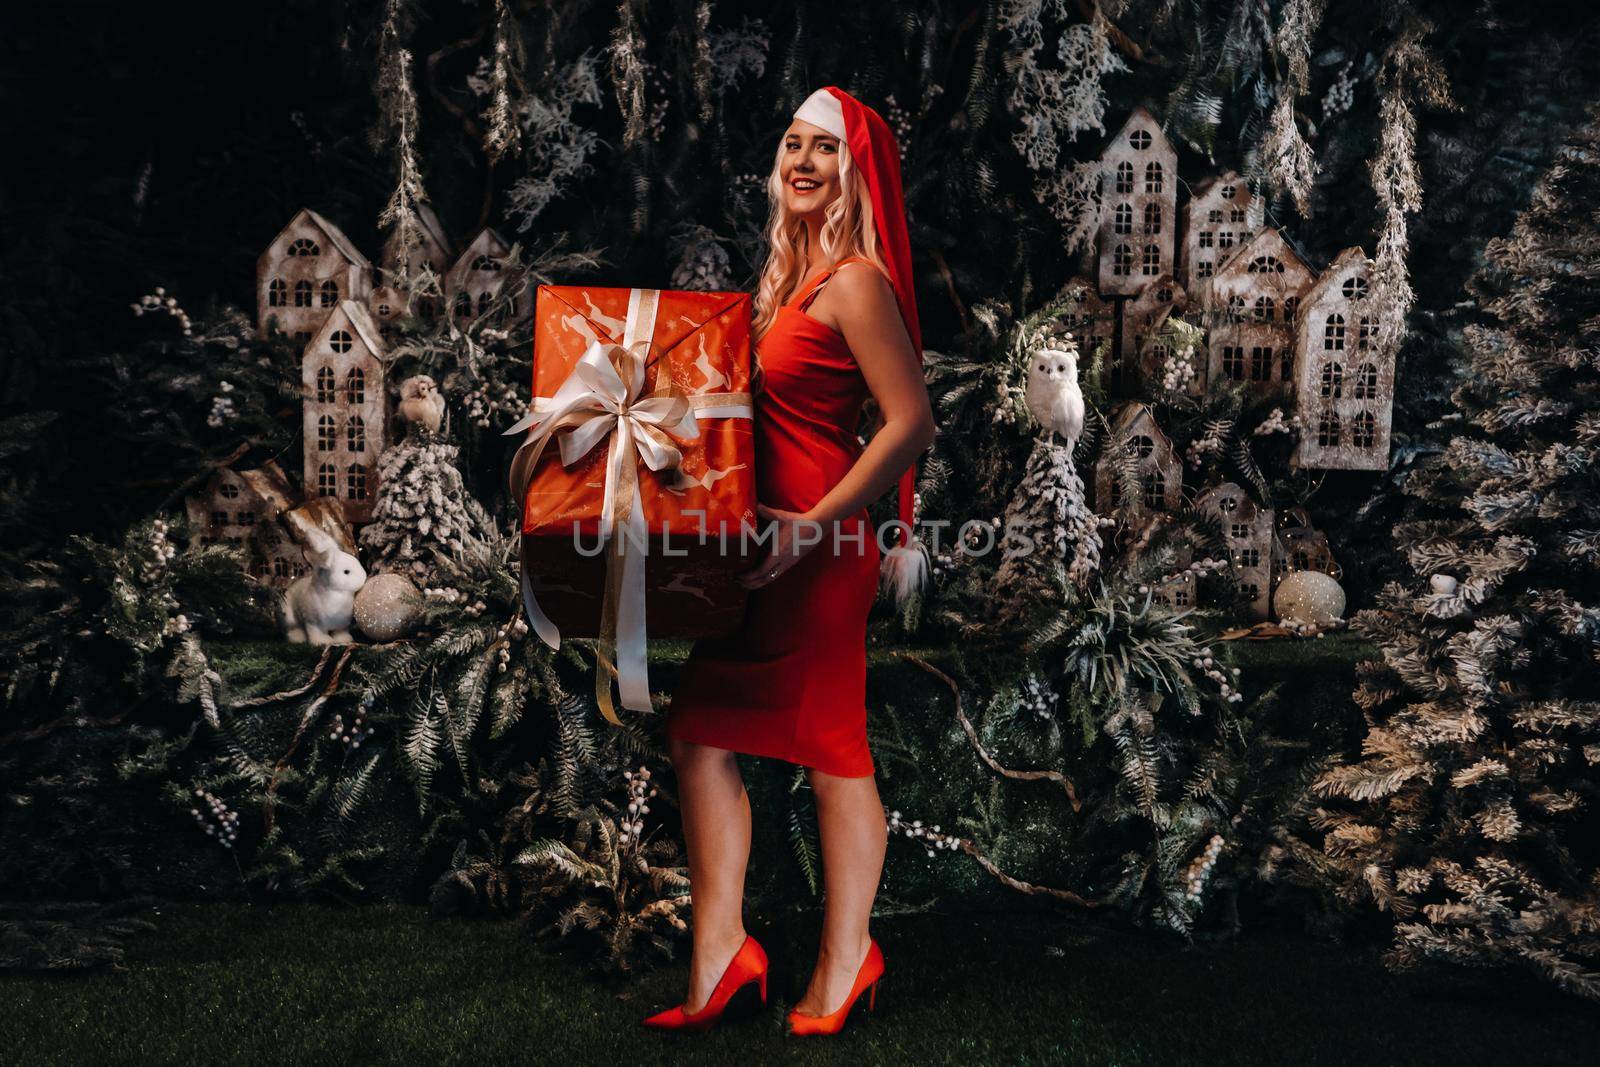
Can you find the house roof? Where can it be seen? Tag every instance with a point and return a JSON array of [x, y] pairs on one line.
[[1206, 186], [1331, 275], [270, 485], [1131, 413], [1180, 295], [1084, 289], [1247, 506], [430, 222], [1258, 245], [335, 237], [485, 241], [361, 321], [1141, 115]]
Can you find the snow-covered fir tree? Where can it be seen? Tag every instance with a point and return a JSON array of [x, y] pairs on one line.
[[1470, 814], [423, 509], [1051, 536]]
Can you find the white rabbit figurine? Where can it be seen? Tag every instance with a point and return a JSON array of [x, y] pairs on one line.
[[319, 606]]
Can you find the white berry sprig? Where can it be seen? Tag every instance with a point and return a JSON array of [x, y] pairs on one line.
[[160, 302], [217, 819]]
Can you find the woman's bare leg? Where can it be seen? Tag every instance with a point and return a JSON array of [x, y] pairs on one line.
[[854, 836], [716, 831]]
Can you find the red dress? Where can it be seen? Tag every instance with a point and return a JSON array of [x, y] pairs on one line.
[[791, 683]]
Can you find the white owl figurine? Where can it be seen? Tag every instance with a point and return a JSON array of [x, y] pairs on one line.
[[1053, 396]]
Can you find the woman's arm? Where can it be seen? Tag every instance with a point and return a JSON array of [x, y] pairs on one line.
[[869, 317]]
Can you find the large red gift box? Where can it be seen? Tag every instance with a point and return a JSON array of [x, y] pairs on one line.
[[694, 346]]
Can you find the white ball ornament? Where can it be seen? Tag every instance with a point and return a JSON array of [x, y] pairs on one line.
[[1443, 584], [387, 606], [1309, 598]]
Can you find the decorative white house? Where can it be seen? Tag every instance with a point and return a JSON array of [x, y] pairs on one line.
[[1136, 438], [1299, 546], [345, 409], [1139, 197], [1093, 322], [476, 278], [391, 299], [1247, 534], [304, 273], [1177, 590], [243, 508], [434, 251], [1255, 303], [1221, 215], [1142, 319], [1344, 384]]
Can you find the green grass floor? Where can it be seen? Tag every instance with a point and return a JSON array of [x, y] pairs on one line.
[[298, 984]]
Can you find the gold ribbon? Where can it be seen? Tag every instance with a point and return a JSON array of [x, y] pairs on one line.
[[603, 398]]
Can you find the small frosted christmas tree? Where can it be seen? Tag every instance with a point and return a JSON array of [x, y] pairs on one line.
[[423, 509], [1048, 508], [1470, 815]]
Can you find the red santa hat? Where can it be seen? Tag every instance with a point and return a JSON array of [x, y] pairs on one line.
[[875, 153]]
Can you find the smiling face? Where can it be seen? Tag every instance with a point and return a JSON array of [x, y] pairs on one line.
[[809, 167]]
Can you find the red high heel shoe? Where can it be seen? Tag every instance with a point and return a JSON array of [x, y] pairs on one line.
[[866, 980], [748, 965]]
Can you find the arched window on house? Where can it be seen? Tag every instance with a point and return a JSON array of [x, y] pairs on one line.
[[277, 293], [1155, 490], [1152, 178], [326, 386], [302, 294], [1124, 177], [355, 434], [1367, 333], [1333, 379], [1366, 382], [1328, 430], [330, 293], [355, 386], [1333, 333], [1364, 431], [327, 433]]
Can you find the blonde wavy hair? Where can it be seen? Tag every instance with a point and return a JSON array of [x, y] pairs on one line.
[[847, 230]]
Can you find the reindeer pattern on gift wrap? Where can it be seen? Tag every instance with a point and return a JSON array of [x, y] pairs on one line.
[[704, 481]]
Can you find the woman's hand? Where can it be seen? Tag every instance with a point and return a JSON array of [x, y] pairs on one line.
[[796, 534]]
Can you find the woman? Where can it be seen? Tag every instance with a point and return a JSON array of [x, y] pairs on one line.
[[835, 320]]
